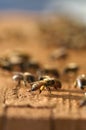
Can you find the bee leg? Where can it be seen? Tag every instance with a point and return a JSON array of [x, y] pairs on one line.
[[41, 89], [17, 88], [48, 88], [18, 84], [25, 84], [82, 87], [75, 84], [82, 103], [55, 87]]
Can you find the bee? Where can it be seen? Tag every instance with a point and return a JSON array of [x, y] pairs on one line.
[[18, 78], [33, 64], [83, 101], [25, 77], [71, 68], [80, 81], [60, 53], [46, 83], [5, 64], [49, 71], [70, 71], [18, 61]]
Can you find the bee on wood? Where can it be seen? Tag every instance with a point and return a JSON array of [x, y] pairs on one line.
[[60, 53], [18, 61], [46, 83], [33, 64], [70, 71], [25, 77], [80, 81], [18, 78], [71, 68], [5, 64], [49, 71], [83, 101]]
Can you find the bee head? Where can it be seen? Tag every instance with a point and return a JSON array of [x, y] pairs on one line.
[[50, 82]]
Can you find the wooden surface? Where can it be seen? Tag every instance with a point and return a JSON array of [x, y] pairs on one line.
[[22, 110]]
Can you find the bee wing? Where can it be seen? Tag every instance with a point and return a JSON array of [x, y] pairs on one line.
[[41, 82], [15, 73]]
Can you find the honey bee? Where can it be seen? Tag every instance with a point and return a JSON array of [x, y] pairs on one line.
[[71, 68], [83, 101], [18, 60], [33, 64], [46, 83], [49, 71], [5, 64], [60, 53], [80, 82], [18, 78], [25, 77], [70, 71]]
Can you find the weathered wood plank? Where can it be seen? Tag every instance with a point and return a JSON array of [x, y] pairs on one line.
[[20, 109]]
